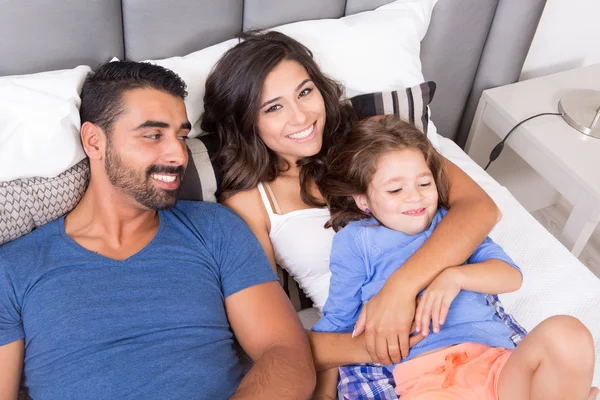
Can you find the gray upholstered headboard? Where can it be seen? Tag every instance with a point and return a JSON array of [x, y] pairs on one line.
[[471, 45]]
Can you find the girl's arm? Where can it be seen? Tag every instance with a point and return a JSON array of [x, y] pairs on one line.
[[386, 319], [491, 276], [489, 270]]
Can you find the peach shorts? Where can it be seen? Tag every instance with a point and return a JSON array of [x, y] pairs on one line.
[[464, 371]]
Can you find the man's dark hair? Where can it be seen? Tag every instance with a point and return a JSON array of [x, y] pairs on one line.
[[102, 92]]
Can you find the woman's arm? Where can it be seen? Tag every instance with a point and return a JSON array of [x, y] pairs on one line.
[[249, 205], [386, 319]]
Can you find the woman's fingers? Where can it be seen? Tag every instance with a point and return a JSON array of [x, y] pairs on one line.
[[413, 327], [359, 327], [404, 339], [381, 348], [394, 349], [413, 340], [370, 342]]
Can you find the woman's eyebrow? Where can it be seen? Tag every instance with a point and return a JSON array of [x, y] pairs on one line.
[[303, 83]]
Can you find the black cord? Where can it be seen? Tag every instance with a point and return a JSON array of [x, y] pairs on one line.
[[500, 146]]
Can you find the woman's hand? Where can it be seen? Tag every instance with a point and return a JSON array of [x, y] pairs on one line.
[[435, 302], [386, 319]]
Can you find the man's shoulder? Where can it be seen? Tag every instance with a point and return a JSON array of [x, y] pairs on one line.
[[204, 215], [30, 245], [33, 239], [204, 209]]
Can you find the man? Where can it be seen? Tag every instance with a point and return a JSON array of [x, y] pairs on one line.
[[132, 295]]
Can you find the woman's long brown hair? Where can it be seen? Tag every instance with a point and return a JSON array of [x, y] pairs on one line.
[[232, 102], [350, 170]]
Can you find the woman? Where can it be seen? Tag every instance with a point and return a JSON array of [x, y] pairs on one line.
[[278, 118]]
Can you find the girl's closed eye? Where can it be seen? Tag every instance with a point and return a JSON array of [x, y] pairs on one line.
[[426, 184], [395, 191]]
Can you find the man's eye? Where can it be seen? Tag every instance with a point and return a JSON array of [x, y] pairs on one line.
[[153, 137], [183, 138], [305, 92], [273, 108], [394, 191]]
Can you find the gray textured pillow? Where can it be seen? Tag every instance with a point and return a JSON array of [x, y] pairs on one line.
[[26, 204]]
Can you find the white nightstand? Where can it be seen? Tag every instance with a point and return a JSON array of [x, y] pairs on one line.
[[545, 155]]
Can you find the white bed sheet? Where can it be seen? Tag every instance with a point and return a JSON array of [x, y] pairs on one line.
[[554, 281]]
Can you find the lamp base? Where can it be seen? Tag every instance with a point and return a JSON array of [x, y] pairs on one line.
[[580, 108]]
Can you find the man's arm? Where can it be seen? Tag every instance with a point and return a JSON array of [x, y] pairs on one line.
[[268, 329], [11, 365]]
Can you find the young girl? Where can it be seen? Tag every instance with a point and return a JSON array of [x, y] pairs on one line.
[[388, 190]]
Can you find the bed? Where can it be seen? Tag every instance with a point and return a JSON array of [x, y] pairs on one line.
[[470, 45]]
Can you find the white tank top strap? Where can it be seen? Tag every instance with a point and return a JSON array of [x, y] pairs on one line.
[[265, 199], [273, 199]]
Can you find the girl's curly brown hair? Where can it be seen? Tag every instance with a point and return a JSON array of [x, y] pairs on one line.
[[350, 170]]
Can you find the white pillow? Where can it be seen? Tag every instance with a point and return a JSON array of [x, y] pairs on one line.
[[39, 123], [372, 51], [194, 69]]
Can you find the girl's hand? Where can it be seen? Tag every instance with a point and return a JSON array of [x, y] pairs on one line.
[[434, 303]]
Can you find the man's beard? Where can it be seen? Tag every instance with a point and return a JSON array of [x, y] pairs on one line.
[[137, 184]]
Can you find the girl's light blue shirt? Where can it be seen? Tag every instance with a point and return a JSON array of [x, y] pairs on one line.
[[363, 256]]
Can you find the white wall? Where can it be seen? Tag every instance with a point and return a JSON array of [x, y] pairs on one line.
[[567, 37]]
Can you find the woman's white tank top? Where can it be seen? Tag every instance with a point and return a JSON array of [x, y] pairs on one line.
[[301, 245]]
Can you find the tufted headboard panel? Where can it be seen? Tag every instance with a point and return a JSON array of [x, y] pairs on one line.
[[471, 45]]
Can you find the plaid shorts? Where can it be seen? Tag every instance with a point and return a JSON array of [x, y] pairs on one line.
[[518, 332], [375, 381], [366, 381]]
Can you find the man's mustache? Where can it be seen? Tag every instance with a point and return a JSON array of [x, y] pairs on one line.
[[165, 169]]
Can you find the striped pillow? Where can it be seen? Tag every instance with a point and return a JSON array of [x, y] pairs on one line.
[[409, 104], [200, 181]]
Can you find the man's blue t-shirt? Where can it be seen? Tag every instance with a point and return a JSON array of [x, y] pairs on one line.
[[152, 326]]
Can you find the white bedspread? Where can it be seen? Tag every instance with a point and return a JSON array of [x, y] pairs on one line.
[[554, 281]]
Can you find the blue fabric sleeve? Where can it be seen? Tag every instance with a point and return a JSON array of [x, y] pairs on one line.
[[241, 259], [11, 326], [348, 275], [488, 250]]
